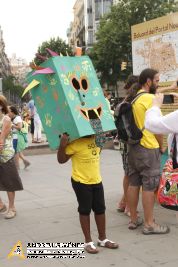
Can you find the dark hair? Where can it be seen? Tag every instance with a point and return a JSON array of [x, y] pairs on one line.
[[147, 74], [106, 93], [14, 110], [3, 103], [130, 81], [132, 91]]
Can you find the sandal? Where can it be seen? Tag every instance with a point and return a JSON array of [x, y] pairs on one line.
[[26, 164], [3, 209], [127, 212], [10, 214], [90, 248], [156, 229], [135, 225], [107, 244], [121, 207]]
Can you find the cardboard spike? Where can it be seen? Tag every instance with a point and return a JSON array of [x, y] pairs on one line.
[[78, 51], [44, 71], [52, 53], [33, 84], [35, 67], [41, 57]]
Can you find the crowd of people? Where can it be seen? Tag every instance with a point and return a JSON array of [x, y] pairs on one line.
[[14, 128], [141, 164], [141, 161]]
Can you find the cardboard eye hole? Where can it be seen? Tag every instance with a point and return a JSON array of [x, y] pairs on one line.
[[84, 84], [76, 84]]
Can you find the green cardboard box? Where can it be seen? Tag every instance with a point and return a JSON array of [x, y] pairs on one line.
[[68, 96]]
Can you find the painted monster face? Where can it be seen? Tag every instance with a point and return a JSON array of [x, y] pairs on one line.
[[68, 97]]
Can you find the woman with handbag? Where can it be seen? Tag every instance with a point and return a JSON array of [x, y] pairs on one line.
[[19, 137], [158, 124], [9, 177]]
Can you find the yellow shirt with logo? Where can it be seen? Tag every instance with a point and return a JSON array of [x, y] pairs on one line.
[[85, 156], [140, 107]]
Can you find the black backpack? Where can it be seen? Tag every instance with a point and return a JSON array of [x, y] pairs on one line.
[[127, 129]]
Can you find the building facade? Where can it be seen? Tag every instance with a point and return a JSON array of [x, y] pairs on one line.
[[19, 68], [87, 15], [94, 10], [76, 31], [5, 69]]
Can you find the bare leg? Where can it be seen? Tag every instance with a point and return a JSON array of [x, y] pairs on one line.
[[17, 161], [25, 161], [133, 197], [101, 225], [148, 199], [85, 224], [126, 186], [11, 197], [1, 204], [123, 202]]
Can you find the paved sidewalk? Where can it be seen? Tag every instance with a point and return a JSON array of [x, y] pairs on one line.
[[46, 212]]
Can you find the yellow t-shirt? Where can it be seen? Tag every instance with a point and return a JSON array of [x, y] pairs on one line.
[[85, 156], [140, 107]]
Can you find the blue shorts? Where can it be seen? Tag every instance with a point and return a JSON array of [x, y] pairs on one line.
[[15, 141]]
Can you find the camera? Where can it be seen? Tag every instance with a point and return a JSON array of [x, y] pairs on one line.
[[168, 99]]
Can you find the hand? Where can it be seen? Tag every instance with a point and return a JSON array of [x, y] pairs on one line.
[[174, 85], [174, 94], [64, 140], [158, 100]]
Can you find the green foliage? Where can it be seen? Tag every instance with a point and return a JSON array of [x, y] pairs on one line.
[[113, 44], [57, 45], [10, 84]]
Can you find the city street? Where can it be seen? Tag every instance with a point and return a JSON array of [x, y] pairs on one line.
[[47, 212]]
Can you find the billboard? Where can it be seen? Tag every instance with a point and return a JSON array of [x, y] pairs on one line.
[[155, 45]]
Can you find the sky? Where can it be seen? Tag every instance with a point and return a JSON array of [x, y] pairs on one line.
[[26, 24]]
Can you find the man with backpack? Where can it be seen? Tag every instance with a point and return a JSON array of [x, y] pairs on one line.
[[144, 158]]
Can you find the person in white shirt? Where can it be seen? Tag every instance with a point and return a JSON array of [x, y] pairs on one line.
[[158, 124], [37, 127], [19, 143]]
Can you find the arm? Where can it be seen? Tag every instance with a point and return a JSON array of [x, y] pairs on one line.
[[17, 126], [173, 86], [159, 138], [61, 155], [158, 124], [6, 128]]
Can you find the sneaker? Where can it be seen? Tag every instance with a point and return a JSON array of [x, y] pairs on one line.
[[135, 225], [156, 229]]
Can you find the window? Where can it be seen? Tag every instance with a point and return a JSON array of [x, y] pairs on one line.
[[107, 6], [90, 37], [98, 9]]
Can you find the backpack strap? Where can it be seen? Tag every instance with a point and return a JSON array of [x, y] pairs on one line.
[[137, 96], [133, 101]]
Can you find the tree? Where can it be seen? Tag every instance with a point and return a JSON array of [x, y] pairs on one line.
[[113, 44], [11, 88], [57, 45]]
